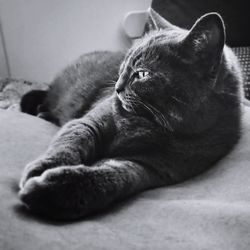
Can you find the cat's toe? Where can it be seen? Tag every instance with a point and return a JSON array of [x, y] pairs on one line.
[[60, 193], [29, 172], [33, 194], [50, 196], [33, 169], [25, 177], [22, 181], [26, 192]]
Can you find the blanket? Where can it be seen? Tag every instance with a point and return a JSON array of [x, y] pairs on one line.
[[12, 90], [211, 211]]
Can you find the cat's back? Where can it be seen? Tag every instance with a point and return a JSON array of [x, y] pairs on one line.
[[230, 77], [85, 74], [81, 85]]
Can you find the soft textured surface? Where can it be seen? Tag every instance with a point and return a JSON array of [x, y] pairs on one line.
[[208, 212], [11, 91]]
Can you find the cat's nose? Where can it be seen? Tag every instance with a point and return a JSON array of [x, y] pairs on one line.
[[118, 89]]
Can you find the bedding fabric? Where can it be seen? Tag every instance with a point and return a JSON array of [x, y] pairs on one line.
[[211, 211]]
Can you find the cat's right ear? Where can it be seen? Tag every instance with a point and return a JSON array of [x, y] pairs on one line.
[[156, 22], [207, 36]]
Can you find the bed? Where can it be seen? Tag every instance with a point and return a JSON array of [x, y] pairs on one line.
[[211, 211]]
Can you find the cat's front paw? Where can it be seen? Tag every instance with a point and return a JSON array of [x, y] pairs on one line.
[[33, 169], [58, 193], [67, 192]]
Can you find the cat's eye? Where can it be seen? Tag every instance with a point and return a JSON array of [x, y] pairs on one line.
[[140, 74]]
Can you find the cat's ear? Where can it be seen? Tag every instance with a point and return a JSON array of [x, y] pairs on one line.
[[156, 22], [207, 35]]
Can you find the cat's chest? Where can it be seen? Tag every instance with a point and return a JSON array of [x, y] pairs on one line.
[[134, 136]]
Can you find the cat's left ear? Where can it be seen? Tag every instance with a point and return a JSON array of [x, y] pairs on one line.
[[156, 22], [206, 36]]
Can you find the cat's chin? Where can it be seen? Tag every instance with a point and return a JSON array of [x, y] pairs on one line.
[[124, 105]]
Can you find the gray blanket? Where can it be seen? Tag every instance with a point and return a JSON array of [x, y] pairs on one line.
[[209, 212]]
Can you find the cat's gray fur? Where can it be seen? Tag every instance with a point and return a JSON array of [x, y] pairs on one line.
[[81, 86], [172, 123]]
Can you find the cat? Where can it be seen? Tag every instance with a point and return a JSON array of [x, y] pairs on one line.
[[173, 111]]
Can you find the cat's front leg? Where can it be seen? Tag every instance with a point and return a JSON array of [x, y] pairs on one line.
[[75, 144], [71, 192], [51, 159], [78, 142]]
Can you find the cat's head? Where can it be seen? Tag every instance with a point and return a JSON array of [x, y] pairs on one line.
[[171, 69]]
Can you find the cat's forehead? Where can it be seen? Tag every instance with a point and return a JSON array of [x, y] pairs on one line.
[[163, 37], [153, 44]]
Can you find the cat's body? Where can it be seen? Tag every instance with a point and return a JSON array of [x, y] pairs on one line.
[[175, 112], [84, 83]]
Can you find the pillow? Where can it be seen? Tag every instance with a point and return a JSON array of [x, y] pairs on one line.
[[211, 211]]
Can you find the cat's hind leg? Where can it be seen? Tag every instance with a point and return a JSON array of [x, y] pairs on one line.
[[32, 100], [48, 116], [72, 192]]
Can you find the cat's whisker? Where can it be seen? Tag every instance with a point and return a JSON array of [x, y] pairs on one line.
[[130, 104], [175, 116], [133, 109], [160, 116], [134, 101], [223, 92], [155, 112], [178, 100], [111, 83]]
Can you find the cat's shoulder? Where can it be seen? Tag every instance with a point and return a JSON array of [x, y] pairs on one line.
[[231, 63]]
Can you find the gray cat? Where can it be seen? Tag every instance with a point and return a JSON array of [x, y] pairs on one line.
[[168, 113]]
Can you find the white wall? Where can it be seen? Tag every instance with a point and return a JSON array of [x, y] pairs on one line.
[[3, 63], [43, 36]]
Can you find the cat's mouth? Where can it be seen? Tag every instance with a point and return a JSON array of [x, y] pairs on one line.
[[132, 106], [127, 106]]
